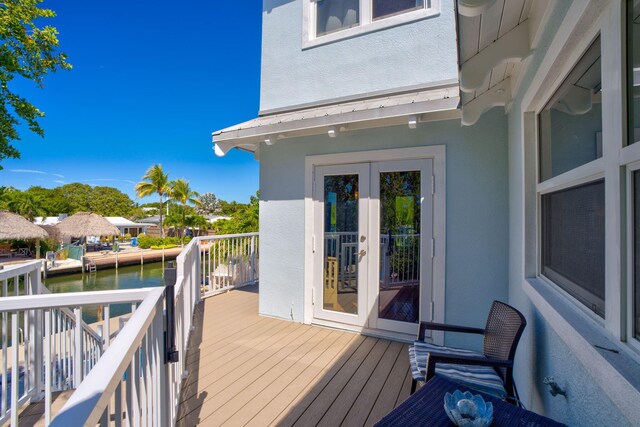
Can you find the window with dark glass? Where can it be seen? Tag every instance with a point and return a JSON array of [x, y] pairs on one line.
[[570, 125], [636, 254], [386, 8], [633, 69], [336, 15], [573, 242]]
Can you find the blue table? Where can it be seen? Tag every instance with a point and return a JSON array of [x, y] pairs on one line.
[[426, 408]]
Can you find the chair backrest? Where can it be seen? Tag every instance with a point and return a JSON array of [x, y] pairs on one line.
[[502, 333]]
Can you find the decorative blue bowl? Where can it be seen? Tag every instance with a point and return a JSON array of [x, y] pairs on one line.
[[468, 410]]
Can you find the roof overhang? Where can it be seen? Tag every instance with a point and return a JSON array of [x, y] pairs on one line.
[[430, 104]]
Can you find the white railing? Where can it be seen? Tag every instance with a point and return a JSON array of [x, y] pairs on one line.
[[130, 382], [228, 262], [25, 335], [132, 379]]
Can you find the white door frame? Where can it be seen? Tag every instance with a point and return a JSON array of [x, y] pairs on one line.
[[435, 152], [362, 170]]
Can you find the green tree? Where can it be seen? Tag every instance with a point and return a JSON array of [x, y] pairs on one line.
[[182, 193], [29, 52], [110, 201], [197, 221], [26, 204], [244, 220], [155, 181], [77, 197]]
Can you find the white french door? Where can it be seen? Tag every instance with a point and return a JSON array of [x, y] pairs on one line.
[[372, 238], [340, 243]]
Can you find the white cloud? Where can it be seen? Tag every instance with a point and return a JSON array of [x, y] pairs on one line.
[[109, 180], [35, 171]]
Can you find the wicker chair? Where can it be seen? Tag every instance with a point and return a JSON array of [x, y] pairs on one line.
[[490, 371]]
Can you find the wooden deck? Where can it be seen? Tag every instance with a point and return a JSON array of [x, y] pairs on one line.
[[245, 369]]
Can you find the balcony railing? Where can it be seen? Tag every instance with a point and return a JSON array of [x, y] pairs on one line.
[[124, 380]]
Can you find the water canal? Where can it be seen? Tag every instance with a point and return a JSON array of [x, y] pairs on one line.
[[135, 276]]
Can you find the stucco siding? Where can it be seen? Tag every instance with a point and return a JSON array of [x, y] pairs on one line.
[[476, 221], [414, 53]]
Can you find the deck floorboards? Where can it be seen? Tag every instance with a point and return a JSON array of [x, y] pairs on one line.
[[245, 369]]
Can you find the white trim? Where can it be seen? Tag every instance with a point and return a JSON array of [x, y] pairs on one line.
[[582, 174], [438, 154], [632, 341], [365, 25]]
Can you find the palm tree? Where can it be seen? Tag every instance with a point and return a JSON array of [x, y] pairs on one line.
[[28, 205], [182, 193], [155, 181]]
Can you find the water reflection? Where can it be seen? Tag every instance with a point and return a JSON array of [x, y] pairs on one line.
[[130, 277]]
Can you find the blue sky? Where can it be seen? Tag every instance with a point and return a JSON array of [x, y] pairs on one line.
[[150, 81]]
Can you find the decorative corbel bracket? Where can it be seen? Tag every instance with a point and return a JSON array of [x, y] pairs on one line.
[[513, 46], [474, 7], [497, 96]]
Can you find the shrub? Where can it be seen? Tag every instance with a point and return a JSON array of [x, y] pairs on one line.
[[127, 236], [142, 236], [187, 239], [169, 246]]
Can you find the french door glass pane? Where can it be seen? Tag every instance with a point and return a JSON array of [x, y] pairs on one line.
[[633, 46], [399, 297], [336, 15], [570, 125], [573, 242], [636, 237], [340, 280], [385, 8]]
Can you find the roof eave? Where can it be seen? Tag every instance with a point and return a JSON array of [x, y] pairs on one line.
[[249, 139]]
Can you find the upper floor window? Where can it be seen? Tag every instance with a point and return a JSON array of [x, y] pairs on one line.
[[329, 20], [336, 15], [385, 8]]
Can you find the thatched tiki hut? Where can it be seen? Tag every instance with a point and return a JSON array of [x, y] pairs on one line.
[[16, 227], [83, 224]]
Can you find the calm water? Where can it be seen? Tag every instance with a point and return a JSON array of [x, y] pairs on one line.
[[130, 277]]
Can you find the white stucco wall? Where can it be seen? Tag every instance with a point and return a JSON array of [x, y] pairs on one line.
[[477, 213], [414, 53], [541, 351]]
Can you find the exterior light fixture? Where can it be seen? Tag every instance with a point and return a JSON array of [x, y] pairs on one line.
[[333, 132], [413, 122], [269, 140]]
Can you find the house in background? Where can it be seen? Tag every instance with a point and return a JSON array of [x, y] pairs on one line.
[[128, 227], [420, 159]]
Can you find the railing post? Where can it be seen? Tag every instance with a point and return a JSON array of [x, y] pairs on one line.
[[35, 343], [198, 273], [78, 356], [253, 260], [170, 276]]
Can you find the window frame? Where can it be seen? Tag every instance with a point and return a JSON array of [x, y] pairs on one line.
[[587, 173], [365, 25], [630, 169]]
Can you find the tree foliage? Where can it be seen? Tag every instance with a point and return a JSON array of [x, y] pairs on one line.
[[245, 219], [28, 52], [155, 181], [69, 198]]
